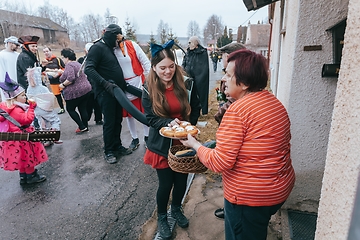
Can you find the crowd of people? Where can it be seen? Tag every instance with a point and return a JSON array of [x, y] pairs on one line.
[[254, 160]]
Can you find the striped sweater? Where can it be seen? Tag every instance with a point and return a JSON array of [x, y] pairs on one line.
[[253, 151]]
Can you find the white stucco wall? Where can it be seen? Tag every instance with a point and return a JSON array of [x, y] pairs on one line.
[[308, 97], [343, 157]]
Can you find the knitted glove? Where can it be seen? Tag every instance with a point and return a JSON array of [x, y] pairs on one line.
[[109, 86]]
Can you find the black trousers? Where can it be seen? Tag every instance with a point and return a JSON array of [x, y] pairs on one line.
[[247, 223], [93, 106], [112, 112], [167, 180], [80, 104]]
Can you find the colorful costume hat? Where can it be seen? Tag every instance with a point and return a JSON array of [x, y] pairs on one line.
[[10, 88], [28, 40]]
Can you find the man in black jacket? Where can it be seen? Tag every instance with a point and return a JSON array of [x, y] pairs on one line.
[[103, 68], [27, 58]]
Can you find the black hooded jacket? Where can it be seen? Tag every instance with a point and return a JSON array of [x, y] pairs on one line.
[[102, 65]]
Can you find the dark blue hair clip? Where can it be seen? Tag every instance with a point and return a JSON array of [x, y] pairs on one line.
[[155, 48]]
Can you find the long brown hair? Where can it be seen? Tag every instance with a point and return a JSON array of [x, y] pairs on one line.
[[157, 89]]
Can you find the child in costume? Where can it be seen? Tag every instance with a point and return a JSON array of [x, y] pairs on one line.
[[45, 102], [20, 155]]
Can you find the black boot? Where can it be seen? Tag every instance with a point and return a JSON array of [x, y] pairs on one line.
[[22, 178], [35, 177], [177, 213], [163, 226]]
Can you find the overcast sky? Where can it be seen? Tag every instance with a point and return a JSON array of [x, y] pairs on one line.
[[145, 15]]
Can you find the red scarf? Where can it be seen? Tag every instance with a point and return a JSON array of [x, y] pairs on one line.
[[136, 65], [51, 58]]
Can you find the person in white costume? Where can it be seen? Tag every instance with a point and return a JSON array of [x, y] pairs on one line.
[[135, 66], [8, 58], [44, 110]]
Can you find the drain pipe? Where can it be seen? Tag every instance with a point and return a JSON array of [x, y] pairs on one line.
[[282, 33]]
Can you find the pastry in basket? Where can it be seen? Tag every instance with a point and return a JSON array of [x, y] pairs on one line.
[[186, 153]]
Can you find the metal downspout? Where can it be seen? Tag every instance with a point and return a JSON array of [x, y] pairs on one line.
[[277, 66]]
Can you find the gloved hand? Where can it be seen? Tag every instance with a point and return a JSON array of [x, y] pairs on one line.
[[109, 86], [32, 104]]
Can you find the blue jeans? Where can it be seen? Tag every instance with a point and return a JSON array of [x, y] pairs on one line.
[[215, 66], [247, 223]]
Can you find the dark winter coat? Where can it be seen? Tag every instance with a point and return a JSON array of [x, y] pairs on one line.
[[102, 65], [25, 60], [157, 143], [214, 57], [196, 65]]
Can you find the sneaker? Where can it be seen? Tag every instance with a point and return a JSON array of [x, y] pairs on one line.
[[134, 144], [145, 141], [122, 151], [163, 226], [61, 111], [35, 177], [110, 158], [177, 213], [59, 141], [81, 130], [219, 213], [99, 122]]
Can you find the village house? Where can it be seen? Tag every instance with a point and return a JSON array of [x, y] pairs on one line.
[[18, 24]]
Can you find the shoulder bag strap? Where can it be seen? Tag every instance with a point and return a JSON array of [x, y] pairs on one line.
[[11, 119]]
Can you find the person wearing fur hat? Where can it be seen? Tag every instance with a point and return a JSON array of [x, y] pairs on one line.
[[8, 58], [22, 156], [104, 70], [28, 58]]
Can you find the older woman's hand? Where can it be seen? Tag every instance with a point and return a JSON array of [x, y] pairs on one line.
[[191, 142]]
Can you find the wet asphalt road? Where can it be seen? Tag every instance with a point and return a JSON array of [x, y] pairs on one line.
[[83, 197]]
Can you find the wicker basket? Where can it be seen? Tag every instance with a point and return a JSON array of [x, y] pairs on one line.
[[184, 164]]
